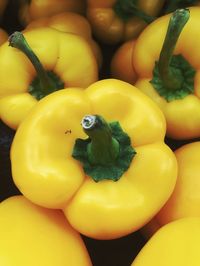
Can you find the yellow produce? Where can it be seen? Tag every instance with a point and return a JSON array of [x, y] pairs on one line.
[[3, 36], [32, 235], [56, 60], [185, 199], [115, 21], [175, 244], [34, 9], [122, 63], [69, 22], [167, 60], [110, 184]]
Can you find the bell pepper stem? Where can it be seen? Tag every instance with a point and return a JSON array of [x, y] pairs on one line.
[[140, 14], [103, 148], [127, 8], [17, 40], [107, 153], [177, 21]]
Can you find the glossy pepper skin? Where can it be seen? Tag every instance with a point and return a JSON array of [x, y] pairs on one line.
[[32, 235], [175, 244], [182, 115], [184, 201], [34, 9], [121, 66], [45, 171], [70, 22], [111, 26], [68, 56]]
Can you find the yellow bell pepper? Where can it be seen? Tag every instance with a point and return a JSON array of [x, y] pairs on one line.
[[184, 200], [3, 4], [173, 81], [54, 167], [32, 235], [175, 244], [3, 36], [70, 22], [66, 60], [115, 21], [121, 66], [34, 9]]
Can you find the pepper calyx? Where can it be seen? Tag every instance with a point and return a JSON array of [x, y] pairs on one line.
[[113, 170], [37, 91], [45, 81], [185, 74]]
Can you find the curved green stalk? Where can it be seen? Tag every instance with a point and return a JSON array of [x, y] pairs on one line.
[[46, 82]]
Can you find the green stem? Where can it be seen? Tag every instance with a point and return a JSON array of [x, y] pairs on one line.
[[107, 153], [103, 148], [18, 41], [176, 24], [127, 9], [140, 14]]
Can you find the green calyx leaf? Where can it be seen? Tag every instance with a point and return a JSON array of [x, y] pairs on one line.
[[45, 82], [185, 74], [38, 92], [118, 167]]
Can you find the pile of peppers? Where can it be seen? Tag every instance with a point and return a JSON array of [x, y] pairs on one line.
[[99, 133]]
